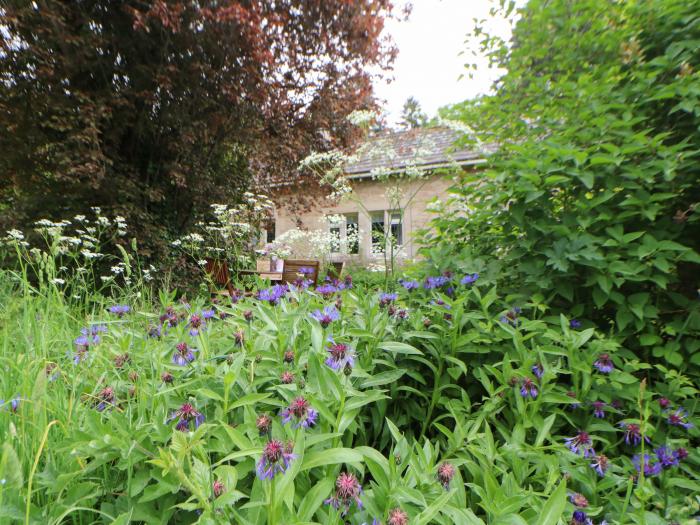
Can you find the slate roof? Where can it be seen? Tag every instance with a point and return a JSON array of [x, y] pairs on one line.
[[427, 148]]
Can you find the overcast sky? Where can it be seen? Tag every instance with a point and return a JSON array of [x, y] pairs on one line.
[[429, 64]]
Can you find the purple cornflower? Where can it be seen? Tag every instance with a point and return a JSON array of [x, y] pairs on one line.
[[326, 290], [528, 388], [650, 468], [397, 517], [633, 433], [581, 444], [340, 355], [574, 324], [580, 518], [387, 298], [600, 464], [264, 424], [347, 492], [170, 316], [275, 459], [196, 323], [604, 364], [409, 285], [90, 336], [300, 411], [305, 270], [469, 279], [445, 473], [273, 295], [120, 310], [14, 404], [680, 453], [574, 404], [329, 314], [154, 332], [538, 371], [578, 500], [183, 354], [664, 402], [667, 459], [599, 409], [218, 488], [186, 415], [435, 282], [105, 398], [511, 316], [208, 314], [678, 418]]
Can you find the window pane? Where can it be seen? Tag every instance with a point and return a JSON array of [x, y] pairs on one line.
[[335, 239], [396, 228], [352, 233], [378, 231]]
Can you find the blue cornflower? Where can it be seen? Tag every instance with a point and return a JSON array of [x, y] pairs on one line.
[[341, 355], [327, 316], [196, 323], [120, 310], [581, 444], [604, 364], [650, 468], [435, 282], [574, 324], [538, 371], [14, 404], [599, 409], [528, 388], [666, 457], [208, 314], [409, 285], [678, 418], [273, 294], [187, 416], [633, 433], [105, 399], [276, 459], [580, 518], [300, 411], [600, 464], [347, 492], [387, 298], [183, 354], [511, 316], [327, 289], [469, 279]]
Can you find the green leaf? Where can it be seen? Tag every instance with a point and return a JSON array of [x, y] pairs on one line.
[[333, 456], [314, 499], [399, 348], [554, 508], [435, 507]]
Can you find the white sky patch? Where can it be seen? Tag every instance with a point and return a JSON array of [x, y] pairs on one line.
[[432, 55]]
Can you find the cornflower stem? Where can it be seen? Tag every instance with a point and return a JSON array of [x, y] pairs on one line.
[[433, 399], [272, 513], [336, 440]]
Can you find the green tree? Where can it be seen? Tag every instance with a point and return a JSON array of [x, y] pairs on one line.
[[590, 203], [412, 116]]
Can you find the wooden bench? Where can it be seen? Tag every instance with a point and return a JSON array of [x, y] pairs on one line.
[[292, 270]]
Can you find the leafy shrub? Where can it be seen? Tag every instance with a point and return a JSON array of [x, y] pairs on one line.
[[590, 202]]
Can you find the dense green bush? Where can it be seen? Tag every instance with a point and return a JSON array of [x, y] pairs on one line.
[[590, 203]]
